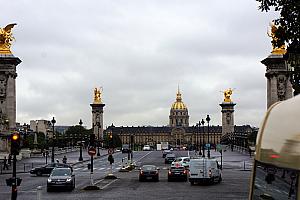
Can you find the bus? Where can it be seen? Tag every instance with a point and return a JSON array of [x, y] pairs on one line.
[[276, 169]]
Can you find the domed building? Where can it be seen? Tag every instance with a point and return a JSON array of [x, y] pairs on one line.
[[179, 115], [177, 133]]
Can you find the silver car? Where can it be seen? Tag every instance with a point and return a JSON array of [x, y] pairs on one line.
[[61, 178]]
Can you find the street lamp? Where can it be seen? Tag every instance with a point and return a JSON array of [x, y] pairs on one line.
[[80, 151], [208, 148], [98, 146], [203, 143], [53, 121]]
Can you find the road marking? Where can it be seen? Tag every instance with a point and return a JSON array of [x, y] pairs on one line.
[[108, 184], [98, 181], [85, 169], [77, 169], [118, 168], [101, 168], [143, 156]]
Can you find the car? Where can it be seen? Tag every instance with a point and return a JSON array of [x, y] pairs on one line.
[[125, 148], [61, 177], [149, 172], [146, 148], [177, 172], [170, 158], [165, 152], [47, 169], [184, 161], [204, 170]]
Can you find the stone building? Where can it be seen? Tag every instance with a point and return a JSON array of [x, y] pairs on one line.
[[178, 133]]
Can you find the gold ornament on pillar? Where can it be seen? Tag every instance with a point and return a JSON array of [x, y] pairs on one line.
[[6, 38], [227, 95], [271, 33], [97, 95]]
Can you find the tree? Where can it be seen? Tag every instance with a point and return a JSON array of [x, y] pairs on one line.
[[289, 22]]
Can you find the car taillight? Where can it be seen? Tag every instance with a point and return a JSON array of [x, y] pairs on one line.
[[141, 172], [209, 173], [184, 171], [170, 172], [156, 172]]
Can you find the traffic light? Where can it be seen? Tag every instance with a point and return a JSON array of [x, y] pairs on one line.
[[110, 139], [92, 140], [15, 143]]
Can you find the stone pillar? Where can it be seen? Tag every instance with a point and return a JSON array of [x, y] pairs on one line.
[[8, 75], [97, 119], [227, 117], [279, 86]]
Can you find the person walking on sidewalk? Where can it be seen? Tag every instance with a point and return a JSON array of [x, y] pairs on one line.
[[65, 160], [5, 163], [9, 159]]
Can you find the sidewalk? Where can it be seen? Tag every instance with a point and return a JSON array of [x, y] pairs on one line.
[[27, 164]]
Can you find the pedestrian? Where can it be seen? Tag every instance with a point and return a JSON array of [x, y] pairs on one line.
[[9, 159], [5, 163], [65, 160], [249, 149]]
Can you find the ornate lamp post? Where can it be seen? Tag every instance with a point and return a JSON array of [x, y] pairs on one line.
[[80, 151], [53, 121], [98, 145], [208, 149], [203, 142]]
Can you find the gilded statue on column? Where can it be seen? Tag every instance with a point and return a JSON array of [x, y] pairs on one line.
[[6, 38], [97, 95], [281, 50], [227, 95]]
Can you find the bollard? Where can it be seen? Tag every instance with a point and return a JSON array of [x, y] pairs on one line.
[[39, 192], [244, 165]]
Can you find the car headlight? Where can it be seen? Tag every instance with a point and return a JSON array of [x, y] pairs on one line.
[[49, 180], [69, 179]]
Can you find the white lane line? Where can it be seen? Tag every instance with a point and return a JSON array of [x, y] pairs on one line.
[[143, 156], [101, 168], [108, 184], [118, 168], [98, 181], [77, 169], [85, 169]]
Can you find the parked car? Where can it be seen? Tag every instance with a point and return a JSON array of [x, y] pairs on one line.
[[147, 148], [183, 161], [169, 158], [47, 169], [204, 170], [149, 172], [177, 172], [165, 152], [61, 178]]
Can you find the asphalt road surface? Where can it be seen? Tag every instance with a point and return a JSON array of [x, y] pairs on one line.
[[235, 182]]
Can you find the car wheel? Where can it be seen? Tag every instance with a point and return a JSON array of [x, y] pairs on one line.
[[185, 179], [192, 183], [169, 179], [49, 189], [39, 173], [140, 179]]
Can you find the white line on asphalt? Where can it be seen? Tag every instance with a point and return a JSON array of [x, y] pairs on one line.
[[77, 169], [143, 156], [108, 184], [85, 169], [98, 181], [101, 168]]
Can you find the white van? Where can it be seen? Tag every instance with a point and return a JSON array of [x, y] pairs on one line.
[[204, 170]]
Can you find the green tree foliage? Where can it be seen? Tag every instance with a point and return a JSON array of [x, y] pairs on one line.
[[289, 21]]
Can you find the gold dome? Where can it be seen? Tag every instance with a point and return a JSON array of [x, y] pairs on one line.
[[178, 105]]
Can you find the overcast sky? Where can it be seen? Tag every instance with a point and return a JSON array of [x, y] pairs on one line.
[[139, 51]]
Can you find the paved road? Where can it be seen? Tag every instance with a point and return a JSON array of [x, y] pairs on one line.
[[234, 185]]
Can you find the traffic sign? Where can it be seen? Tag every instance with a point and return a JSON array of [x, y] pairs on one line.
[[110, 151], [92, 151]]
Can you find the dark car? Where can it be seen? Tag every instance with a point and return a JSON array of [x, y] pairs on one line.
[[47, 169], [170, 158], [165, 152], [149, 172], [61, 178], [177, 172]]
